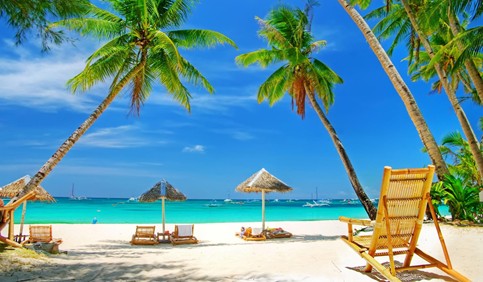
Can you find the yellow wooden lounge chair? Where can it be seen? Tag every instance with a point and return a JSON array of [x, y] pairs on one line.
[[41, 234], [145, 235], [402, 205], [183, 234]]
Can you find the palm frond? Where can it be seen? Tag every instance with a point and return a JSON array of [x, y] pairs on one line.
[[98, 22], [263, 56], [173, 13], [199, 38], [168, 69], [162, 41], [106, 62], [275, 87], [274, 37], [194, 76]]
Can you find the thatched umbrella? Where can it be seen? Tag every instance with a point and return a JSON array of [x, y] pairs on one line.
[[162, 190], [264, 182], [12, 189]]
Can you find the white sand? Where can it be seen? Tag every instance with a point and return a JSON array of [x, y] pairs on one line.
[[102, 253]]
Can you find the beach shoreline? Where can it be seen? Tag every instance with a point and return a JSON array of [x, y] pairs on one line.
[[102, 252]]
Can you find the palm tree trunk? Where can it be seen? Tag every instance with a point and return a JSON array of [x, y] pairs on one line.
[[402, 89], [356, 185], [450, 92], [469, 64], [69, 143]]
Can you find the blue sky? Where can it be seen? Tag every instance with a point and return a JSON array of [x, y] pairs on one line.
[[227, 136]]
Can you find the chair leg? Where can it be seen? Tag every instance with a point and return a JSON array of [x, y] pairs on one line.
[[442, 266], [379, 267]]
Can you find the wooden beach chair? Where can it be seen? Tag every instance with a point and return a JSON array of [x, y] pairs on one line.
[[254, 234], [402, 204], [41, 234], [183, 234], [145, 235]]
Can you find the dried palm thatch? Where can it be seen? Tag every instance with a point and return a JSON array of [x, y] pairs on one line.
[[263, 181], [12, 189], [162, 189]]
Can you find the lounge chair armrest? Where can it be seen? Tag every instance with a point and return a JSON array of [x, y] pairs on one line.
[[363, 222]]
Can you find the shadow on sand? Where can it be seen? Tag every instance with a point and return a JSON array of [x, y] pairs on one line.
[[406, 276]]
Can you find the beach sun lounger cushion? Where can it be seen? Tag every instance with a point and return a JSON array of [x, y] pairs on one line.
[[183, 234], [145, 235], [402, 205], [254, 234]]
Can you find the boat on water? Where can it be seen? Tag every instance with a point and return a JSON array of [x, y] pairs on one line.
[[74, 197], [213, 204], [316, 204], [133, 199]]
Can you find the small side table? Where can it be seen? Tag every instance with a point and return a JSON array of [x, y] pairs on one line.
[[164, 236]]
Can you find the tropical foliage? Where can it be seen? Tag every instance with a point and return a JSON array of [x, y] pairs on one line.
[[462, 199], [33, 16], [460, 189], [300, 74]]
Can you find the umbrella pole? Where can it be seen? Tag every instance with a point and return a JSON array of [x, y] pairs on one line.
[[162, 211], [263, 209]]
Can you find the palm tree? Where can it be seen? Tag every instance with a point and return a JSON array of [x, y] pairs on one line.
[[423, 37], [33, 16], [137, 53], [301, 75], [401, 88]]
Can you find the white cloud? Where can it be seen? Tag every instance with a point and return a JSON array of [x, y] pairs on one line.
[[194, 149], [39, 82], [114, 137], [243, 136]]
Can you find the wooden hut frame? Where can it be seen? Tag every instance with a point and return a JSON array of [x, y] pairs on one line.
[[401, 209], [12, 189], [8, 218]]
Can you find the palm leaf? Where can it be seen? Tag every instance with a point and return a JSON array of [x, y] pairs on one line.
[[263, 56], [276, 85], [198, 38]]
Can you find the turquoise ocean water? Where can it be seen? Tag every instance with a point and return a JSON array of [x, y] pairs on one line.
[[111, 210]]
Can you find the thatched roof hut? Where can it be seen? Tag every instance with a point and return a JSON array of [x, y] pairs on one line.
[[162, 189], [12, 189], [263, 181]]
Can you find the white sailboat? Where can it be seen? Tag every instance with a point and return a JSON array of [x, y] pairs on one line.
[[228, 200], [316, 203], [74, 197]]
